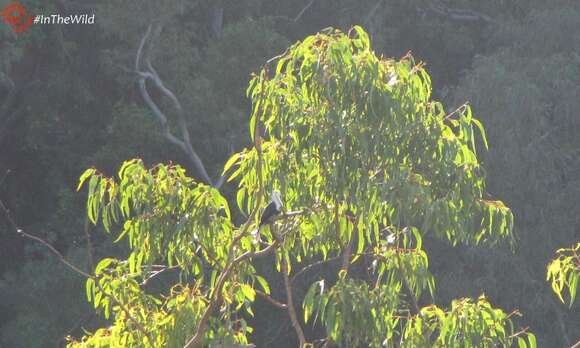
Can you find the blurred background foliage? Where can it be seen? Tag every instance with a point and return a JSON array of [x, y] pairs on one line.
[[68, 101]]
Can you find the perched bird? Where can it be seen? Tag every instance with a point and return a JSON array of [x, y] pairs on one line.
[[273, 209]]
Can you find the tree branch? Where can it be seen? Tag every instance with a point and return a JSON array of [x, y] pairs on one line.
[[519, 333], [145, 71], [63, 260], [76, 269], [290, 302], [216, 295], [52, 249]]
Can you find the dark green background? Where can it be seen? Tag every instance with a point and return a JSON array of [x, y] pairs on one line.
[[75, 104]]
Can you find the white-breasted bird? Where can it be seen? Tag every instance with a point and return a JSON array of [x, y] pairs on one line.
[[273, 209]]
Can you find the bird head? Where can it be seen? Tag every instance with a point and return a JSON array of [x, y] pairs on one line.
[[277, 199]]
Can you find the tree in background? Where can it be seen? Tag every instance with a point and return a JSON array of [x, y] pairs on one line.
[[367, 165], [527, 94]]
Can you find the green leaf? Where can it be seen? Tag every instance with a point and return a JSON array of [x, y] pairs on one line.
[[87, 173], [331, 320], [573, 286], [240, 198], [308, 302], [363, 36], [97, 299], [90, 288], [93, 204], [253, 121], [233, 160], [263, 283], [361, 240], [103, 264], [532, 340], [132, 263], [121, 235], [481, 131], [248, 292]]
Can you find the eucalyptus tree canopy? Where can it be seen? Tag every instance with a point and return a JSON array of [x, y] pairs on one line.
[[366, 164]]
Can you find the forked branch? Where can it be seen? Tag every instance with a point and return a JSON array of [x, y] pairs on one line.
[[146, 72]]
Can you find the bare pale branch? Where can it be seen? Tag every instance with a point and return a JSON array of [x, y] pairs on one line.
[[145, 72]]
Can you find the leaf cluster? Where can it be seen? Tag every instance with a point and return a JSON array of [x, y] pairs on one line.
[[564, 273]]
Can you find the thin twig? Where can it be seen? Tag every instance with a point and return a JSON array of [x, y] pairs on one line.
[[288, 215], [519, 333], [277, 57], [297, 18], [62, 259], [461, 108], [312, 265], [20, 232], [156, 273], [271, 300]]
